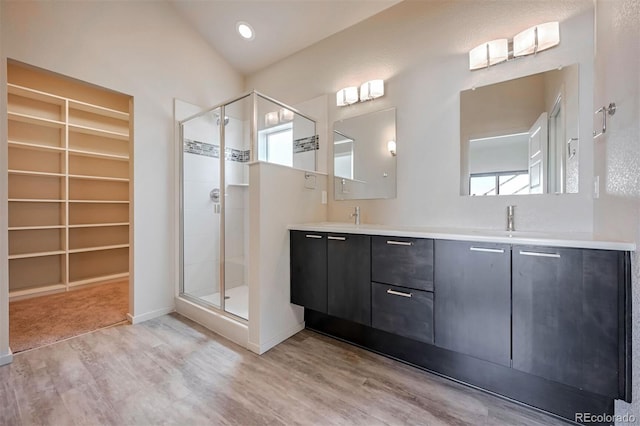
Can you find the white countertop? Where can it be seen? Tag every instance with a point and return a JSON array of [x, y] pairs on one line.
[[577, 240]]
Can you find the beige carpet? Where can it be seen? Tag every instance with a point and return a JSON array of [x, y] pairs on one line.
[[47, 319]]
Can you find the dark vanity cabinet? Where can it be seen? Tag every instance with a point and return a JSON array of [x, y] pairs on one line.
[[568, 316], [473, 309], [547, 326], [402, 287], [331, 274], [349, 277], [309, 270]]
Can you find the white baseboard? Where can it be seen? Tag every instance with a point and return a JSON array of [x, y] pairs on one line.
[[228, 328], [149, 315], [6, 358], [279, 338]]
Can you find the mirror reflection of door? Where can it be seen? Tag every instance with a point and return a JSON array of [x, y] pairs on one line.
[[557, 157], [343, 155], [538, 148]]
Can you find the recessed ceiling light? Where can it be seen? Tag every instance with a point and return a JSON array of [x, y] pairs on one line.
[[245, 30]]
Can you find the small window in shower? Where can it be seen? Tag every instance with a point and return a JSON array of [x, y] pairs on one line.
[[276, 145]]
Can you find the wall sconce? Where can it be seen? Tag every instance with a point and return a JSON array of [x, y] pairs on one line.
[[271, 118], [371, 90], [347, 96], [532, 40], [391, 146], [285, 115]]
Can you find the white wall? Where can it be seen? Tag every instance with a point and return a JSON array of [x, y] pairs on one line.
[[421, 50], [617, 153], [272, 317], [142, 49]]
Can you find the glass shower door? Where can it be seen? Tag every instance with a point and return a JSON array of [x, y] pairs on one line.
[[237, 142], [201, 208]]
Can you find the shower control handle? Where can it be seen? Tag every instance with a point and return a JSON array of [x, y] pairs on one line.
[[215, 195]]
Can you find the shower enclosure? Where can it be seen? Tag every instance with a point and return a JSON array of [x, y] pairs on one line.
[[217, 147]]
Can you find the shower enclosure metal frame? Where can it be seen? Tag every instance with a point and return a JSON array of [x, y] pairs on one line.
[[253, 156]]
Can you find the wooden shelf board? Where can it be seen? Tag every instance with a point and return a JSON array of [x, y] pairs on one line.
[[102, 248], [98, 155], [32, 173], [39, 254], [34, 146], [104, 278], [98, 132], [37, 95], [33, 228], [96, 109], [105, 178], [98, 202], [31, 119], [98, 225], [36, 290], [34, 200]]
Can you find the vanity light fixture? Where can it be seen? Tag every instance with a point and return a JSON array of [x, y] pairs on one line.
[[271, 118], [347, 96], [530, 41], [391, 146], [371, 89]]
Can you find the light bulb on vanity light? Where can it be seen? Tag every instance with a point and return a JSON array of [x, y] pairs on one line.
[[371, 89], [285, 115], [271, 118], [347, 96], [391, 146], [536, 39], [489, 53]]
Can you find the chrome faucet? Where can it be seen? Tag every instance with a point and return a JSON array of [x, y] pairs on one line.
[[511, 212], [356, 215]]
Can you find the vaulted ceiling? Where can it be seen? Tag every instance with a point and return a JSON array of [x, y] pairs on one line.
[[282, 27]]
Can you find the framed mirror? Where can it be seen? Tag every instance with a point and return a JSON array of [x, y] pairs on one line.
[[521, 136], [364, 156]]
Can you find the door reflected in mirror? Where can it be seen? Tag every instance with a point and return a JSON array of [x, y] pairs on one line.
[[364, 167], [521, 136]]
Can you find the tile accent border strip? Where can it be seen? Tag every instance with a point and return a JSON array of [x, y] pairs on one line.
[[209, 150], [310, 143]]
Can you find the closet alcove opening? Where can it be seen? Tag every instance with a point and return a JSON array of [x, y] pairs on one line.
[[70, 186]]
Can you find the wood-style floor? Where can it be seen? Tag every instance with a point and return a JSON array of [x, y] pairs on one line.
[[172, 371]]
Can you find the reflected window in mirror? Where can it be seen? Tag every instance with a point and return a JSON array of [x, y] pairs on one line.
[[520, 130]]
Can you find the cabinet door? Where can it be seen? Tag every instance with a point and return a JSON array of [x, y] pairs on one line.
[[473, 299], [565, 316], [349, 277], [407, 262], [309, 270]]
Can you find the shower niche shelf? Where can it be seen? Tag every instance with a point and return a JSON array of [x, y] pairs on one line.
[[69, 186]]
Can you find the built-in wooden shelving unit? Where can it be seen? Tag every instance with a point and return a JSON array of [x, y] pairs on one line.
[[69, 200]]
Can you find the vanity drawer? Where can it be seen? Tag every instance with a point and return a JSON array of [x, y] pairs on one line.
[[401, 311], [407, 262]]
